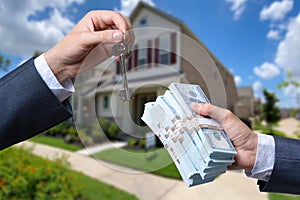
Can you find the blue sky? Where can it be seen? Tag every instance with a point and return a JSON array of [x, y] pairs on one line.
[[256, 40]]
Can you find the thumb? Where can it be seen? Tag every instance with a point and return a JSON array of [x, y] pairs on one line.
[[209, 110], [107, 36]]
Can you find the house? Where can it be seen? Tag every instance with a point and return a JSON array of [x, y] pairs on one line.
[[165, 51], [248, 107]]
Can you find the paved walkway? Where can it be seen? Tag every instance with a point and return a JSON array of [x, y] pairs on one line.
[[233, 185], [101, 147], [290, 126]]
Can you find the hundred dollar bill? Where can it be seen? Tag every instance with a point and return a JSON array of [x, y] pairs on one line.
[[173, 139], [181, 138], [172, 108], [199, 147], [180, 162], [189, 139], [209, 130]]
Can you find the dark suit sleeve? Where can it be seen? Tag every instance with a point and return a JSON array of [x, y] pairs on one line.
[[27, 105], [285, 177]]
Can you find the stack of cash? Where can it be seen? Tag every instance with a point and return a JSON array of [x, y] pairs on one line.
[[199, 147]]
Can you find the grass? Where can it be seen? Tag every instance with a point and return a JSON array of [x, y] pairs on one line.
[[156, 161], [93, 189], [264, 129], [55, 142], [276, 196]]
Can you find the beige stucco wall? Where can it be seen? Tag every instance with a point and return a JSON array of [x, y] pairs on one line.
[[199, 68]]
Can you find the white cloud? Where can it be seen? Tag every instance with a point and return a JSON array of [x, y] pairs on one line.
[[277, 10], [22, 36], [273, 34], [292, 92], [267, 70], [128, 5], [291, 95], [288, 53], [237, 80], [238, 7], [257, 86]]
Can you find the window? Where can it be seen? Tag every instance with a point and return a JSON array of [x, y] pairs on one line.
[[106, 102], [142, 54], [164, 48], [143, 22]]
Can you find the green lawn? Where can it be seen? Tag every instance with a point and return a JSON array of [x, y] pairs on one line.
[[55, 142], [156, 161], [274, 196], [93, 189]]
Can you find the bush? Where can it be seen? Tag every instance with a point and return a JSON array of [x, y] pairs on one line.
[[142, 143], [66, 131], [24, 176], [104, 124], [97, 134], [132, 142], [113, 130]]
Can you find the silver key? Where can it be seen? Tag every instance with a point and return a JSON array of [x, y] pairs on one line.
[[121, 49]]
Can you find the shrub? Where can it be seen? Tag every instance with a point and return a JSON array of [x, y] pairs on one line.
[[104, 124], [24, 176], [142, 143], [132, 142], [97, 133], [113, 130]]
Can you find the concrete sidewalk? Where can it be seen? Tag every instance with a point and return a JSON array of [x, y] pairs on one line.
[[101, 147], [231, 185]]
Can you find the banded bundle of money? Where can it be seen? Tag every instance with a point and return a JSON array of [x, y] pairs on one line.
[[199, 147]]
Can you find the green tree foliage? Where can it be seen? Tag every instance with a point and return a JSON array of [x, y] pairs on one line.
[[4, 63], [271, 112], [290, 81]]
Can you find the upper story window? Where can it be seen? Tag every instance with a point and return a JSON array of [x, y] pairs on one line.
[[152, 52], [143, 22], [164, 48], [142, 54]]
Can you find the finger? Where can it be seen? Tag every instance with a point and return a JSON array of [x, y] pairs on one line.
[[109, 18], [209, 110], [89, 39]]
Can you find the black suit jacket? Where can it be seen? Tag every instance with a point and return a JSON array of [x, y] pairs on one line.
[[285, 177], [27, 105]]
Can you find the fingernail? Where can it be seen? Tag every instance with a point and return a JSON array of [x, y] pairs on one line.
[[117, 36], [195, 105]]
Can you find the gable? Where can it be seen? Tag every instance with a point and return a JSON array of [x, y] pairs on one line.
[[146, 17]]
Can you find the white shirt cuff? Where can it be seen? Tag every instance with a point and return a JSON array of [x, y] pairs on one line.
[[61, 91], [265, 158]]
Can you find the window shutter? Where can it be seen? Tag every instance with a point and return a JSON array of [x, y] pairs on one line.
[[156, 51], [173, 48], [149, 53], [136, 57]]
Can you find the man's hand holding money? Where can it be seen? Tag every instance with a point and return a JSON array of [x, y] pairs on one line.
[[243, 138]]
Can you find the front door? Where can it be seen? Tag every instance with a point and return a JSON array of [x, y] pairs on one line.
[[138, 106]]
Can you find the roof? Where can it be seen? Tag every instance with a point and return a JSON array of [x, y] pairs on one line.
[[184, 28], [245, 92]]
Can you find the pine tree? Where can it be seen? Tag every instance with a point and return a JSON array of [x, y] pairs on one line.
[[271, 112]]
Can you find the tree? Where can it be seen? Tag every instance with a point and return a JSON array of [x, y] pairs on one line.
[[290, 81], [270, 111], [4, 63]]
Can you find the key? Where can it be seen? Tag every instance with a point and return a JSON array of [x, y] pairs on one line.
[[121, 49]]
